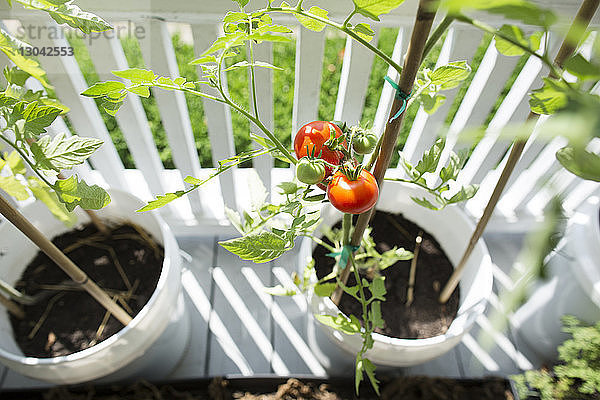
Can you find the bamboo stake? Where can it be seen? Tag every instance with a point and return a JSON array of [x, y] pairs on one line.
[[412, 62], [62, 260], [12, 307], [413, 270], [582, 20]]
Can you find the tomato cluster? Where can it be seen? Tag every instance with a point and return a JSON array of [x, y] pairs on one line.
[[324, 161]]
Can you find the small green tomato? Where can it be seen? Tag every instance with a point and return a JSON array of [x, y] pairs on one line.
[[310, 171], [364, 143]]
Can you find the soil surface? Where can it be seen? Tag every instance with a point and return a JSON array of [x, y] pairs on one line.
[[409, 388], [425, 317], [66, 319]]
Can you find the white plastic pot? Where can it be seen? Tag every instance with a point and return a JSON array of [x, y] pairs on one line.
[[452, 229], [150, 346], [573, 286]]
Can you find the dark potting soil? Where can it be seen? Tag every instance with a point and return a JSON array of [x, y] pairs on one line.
[[407, 388], [67, 319], [425, 317]]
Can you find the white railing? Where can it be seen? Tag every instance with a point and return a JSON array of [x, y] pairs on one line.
[[524, 199]]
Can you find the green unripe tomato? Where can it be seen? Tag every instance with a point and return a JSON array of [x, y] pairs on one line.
[[310, 171], [364, 143]]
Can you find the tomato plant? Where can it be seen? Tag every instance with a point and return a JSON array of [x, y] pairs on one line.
[[353, 196], [310, 171]]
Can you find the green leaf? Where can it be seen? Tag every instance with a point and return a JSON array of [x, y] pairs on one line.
[[162, 201], [38, 117], [324, 289], [451, 74], [62, 152], [432, 102], [14, 187], [267, 37], [431, 157], [549, 98], [507, 48], [234, 16], [16, 76], [375, 315], [67, 13], [452, 169], [10, 46], [45, 194], [260, 248], [424, 203], [136, 75], [580, 162], [376, 7], [15, 162], [377, 288], [313, 24], [465, 193], [246, 64], [520, 10], [242, 3], [143, 91], [364, 31], [279, 291], [358, 374], [288, 187], [316, 197], [535, 40], [102, 89], [235, 219], [74, 192], [369, 368], [582, 68], [340, 322], [204, 60]]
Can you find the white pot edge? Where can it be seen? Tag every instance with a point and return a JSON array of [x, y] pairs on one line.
[[134, 340], [396, 352]]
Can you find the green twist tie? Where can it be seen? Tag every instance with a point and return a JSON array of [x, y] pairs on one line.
[[399, 95], [344, 254]]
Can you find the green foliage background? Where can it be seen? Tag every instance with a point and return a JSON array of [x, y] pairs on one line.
[[283, 83]]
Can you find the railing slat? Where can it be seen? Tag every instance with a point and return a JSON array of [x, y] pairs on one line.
[[484, 90], [353, 81], [218, 118], [460, 44], [388, 92], [264, 98], [107, 55], [68, 81], [158, 52], [309, 65]]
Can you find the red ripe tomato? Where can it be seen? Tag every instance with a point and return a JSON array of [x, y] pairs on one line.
[[314, 135], [353, 197]]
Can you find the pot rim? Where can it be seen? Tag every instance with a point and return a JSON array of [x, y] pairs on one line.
[[162, 281], [453, 330]]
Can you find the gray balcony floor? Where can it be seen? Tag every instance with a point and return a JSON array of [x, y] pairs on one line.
[[237, 329]]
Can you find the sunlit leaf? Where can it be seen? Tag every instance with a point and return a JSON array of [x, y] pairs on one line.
[[260, 248], [313, 24]]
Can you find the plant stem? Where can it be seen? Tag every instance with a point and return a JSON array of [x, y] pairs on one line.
[[339, 27], [252, 75], [437, 34], [26, 159], [490, 29], [252, 118], [412, 62], [582, 20]]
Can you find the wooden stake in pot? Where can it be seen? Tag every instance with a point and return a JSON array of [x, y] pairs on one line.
[[80, 277], [422, 26], [582, 20]]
